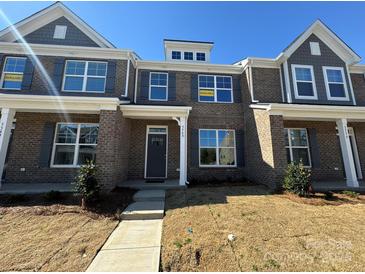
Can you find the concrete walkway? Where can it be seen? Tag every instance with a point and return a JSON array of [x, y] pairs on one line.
[[134, 246]]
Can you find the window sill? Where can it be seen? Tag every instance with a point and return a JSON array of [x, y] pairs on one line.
[[218, 167], [82, 91]]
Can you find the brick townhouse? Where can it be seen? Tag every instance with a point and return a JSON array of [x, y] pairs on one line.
[[67, 95]]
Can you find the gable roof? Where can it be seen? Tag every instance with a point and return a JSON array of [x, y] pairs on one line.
[[47, 15], [328, 37]]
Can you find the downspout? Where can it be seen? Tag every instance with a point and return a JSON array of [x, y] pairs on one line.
[[135, 84], [127, 77], [251, 82]]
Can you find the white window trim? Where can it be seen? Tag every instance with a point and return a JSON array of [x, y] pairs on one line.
[[200, 52], [84, 76], [290, 147], [146, 149], [159, 86], [329, 97], [217, 147], [3, 73], [296, 94], [176, 58], [215, 89], [76, 144]]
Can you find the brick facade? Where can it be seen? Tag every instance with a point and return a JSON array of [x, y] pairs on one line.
[[266, 85], [26, 146], [137, 150]]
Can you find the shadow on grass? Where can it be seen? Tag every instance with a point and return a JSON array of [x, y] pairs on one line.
[[212, 194], [108, 204]]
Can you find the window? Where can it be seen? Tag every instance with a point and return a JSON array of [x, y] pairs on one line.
[[200, 56], [336, 87], [303, 80], [88, 76], [60, 32], [297, 146], [12, 76], [176, 55], [158, 86], [74, 144], [315, 49], [217, 147], [188, 55], [215, 88]]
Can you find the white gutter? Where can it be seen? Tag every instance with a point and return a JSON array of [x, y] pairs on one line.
[[127, 78]]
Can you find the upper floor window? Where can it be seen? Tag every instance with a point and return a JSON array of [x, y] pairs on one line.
[[74, 144], [12, 76], [188, 55], [336, 87], [215, 89], [297, 146], [217, 147], [200, 56], [176, 55], [303, 81], [88, 76], [158, 86], [60, 32]]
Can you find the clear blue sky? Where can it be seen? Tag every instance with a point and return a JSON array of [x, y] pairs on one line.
[[238, 29]]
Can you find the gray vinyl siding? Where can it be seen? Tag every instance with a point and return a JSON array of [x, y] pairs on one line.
[[303, 56], [74, 36]]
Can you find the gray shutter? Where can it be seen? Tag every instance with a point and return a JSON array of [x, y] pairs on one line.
[[240, 148], [194, 144], [145, 85], [314, 148], [237, 96], [110, 77], [28, 74], [194, 87], [172, 86], [58, 72], [46, 144]]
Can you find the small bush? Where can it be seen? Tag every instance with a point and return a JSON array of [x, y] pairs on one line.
[[328, 195], [86, 183], [351, 194], [297, 179], [53, 196], [17, 198]]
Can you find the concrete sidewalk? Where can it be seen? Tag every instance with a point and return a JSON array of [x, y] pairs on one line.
[[134, 246]]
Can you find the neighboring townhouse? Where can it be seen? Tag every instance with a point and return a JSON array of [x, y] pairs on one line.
[[68, 95]]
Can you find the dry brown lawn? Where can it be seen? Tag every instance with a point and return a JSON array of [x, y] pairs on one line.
[[274, 232], [38, 235]]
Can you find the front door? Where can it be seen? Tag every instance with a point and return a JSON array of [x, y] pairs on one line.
[[156, 158]]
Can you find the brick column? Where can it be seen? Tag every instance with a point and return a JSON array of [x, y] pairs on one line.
[[112, 149]]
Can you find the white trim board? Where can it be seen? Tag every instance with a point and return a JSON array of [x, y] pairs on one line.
[[49, 14]]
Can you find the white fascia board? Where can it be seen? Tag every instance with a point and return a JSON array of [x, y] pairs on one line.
[[358, 68], [188, 45], [67, 51], [329, 38], [59, 104], [174, 66], [48, 15], [257, 62], [151, 112], [313, 112]]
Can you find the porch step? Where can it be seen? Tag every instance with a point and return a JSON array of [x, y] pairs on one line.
[[146, 210], [149, 195]]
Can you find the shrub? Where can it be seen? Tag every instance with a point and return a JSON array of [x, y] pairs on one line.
[[53, 196], [297, 179], [86, 183], [328, 195], [351, 194]]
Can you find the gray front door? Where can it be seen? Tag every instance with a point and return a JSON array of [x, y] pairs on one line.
[[156, 156]]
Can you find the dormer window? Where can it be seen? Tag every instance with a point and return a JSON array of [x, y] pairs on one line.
[[176, 55], [188, 55], [60, 32], [200, 56]]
